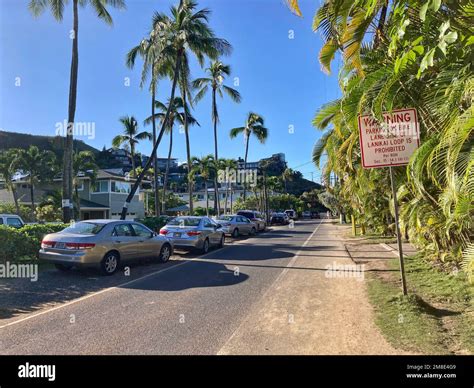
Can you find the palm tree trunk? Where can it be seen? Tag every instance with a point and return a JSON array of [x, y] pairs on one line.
[[245, 164], [132, 152], [15, 199], [165, 183], [188, 154], [217, 205], [78, 202], [155, 146], [155, 160], [231, 199], [32, 194], [67, 157], [207, 198]]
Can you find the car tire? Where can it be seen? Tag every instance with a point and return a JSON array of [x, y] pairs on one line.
[[110, 263], [221, 242], [252, 232], [205, 246], [63, 267], [235, 233], [165, 253]]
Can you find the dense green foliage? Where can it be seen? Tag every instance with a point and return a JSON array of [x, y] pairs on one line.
[[403, 54]]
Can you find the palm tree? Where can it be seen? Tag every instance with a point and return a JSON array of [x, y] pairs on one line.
[[175, 116], [57, 8], [188, 32], [254, 125], [204, 167], [8, 168], [157, 59], [84, 165], [130, 136], [39, 165], [217, 72], [287, 176]]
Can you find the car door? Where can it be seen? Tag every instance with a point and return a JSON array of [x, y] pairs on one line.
[[146, 246], [244, 224], [210, 227], [124, 241]]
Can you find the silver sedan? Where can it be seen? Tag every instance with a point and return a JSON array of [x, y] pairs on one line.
[[236, 225], [103, 243], [192, 232]]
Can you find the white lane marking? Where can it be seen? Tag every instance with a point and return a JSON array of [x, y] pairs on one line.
[[85, 297], [271, 287]]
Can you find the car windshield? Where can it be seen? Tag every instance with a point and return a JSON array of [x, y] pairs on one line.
[[184, 221], [225, 218], [84, 228]]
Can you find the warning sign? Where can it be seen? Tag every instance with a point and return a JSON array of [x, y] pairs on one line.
[[391, 142]]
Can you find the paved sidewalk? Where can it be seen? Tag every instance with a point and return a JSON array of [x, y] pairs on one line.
[[308, 312]]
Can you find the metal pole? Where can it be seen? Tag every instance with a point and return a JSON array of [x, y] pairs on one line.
[[399, 238]]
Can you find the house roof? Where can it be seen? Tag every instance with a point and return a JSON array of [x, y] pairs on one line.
[[86, 204]]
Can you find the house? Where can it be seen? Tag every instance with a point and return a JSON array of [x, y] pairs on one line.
[[102, 198]]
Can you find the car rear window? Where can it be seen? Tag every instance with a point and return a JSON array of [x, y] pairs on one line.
[[84, 228], [225, 218], [184, 221]]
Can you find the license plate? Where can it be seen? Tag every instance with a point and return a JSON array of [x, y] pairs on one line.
[[176, 234], [60, 245]]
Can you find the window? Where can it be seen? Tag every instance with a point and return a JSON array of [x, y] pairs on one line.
[[141, 231], [1, 221], [184, 221], [122, 230], [208, 223], [121, 187], [14, 222], [101, 187], [84, 228], [80, 187]]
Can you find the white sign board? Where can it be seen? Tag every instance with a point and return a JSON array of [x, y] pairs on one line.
[[391, 142]]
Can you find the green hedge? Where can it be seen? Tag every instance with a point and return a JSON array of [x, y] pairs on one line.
[[155, 223], [24, 243]]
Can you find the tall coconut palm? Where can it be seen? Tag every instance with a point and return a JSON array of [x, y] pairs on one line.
[[130, 137], [177, 115], [287, 176], [205, 168], [57, 9], [254, 125], [39, 165], [8, 168], [217, 72], [84, 165], [158, 60], [187, 33]]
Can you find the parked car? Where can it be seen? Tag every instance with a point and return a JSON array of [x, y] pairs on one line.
[[236, 225], [192, 232], [315, 215], [292, 214], [280, 219], [256, 217], [11, 220], [306, 214], [105, 244]]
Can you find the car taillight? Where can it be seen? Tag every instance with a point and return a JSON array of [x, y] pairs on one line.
[[193, 233], [79, 246], [163, 232], [47, 244]]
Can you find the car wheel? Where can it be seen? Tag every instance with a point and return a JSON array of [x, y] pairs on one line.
[[253, 232], [235, 233], [221, 242], [110, 263], [205, 246], [63, 267], [165, 253]]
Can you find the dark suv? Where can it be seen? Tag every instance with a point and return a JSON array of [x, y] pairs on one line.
[[256, 217]]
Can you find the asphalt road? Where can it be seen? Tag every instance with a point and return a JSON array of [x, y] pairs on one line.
[[190, 306]]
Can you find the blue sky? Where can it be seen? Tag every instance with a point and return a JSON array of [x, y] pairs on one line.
[[279, 77]]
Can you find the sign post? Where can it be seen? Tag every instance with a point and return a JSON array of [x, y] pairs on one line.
[[386, 144]]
